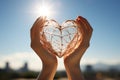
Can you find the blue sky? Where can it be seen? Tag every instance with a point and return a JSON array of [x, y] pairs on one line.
[[17, 17]]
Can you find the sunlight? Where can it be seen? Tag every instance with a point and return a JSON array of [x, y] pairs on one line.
[[44, 9]]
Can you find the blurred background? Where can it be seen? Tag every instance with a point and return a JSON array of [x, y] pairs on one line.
[[18, 61]]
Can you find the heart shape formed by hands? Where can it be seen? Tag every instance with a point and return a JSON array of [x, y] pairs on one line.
[[60, 39]]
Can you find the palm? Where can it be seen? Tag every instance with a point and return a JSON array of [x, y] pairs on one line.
[[35, 42], [86, 32], [72, 60]]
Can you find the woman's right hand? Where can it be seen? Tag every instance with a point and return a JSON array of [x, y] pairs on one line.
[[72, 60]]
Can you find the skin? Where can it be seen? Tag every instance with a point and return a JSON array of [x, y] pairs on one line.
[[71, 61], [49, 61]]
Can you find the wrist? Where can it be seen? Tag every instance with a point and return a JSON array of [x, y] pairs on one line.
[[73, 72], [48, 72], [50, 66]]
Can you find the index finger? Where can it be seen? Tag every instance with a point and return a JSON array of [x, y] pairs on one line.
[[36, 27], [86, 23]]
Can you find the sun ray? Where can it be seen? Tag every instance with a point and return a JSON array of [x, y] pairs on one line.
[[43, 9]]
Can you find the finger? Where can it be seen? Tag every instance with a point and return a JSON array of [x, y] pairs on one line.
[[85, 34], [86, 23], [89, 30], [32, 31], [81, 27], [38, 20], [39, 27], [88, 27], [35, 28], [79, 19]]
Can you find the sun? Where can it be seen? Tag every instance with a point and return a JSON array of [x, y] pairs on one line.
[[43, 10]]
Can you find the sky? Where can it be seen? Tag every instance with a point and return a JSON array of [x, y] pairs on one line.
[[18, 16]]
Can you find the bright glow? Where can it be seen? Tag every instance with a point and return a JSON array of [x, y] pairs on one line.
[[18, 59], [43, 9]]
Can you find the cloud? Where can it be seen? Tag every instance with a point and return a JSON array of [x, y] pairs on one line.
[[18, 59]]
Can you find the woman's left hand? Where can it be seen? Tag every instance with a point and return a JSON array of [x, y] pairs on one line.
[[49, 60]]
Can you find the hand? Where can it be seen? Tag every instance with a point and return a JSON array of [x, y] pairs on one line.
[[49, 60], [72, 61]]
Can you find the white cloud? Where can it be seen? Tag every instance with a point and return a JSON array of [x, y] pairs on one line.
[[18, 59]]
